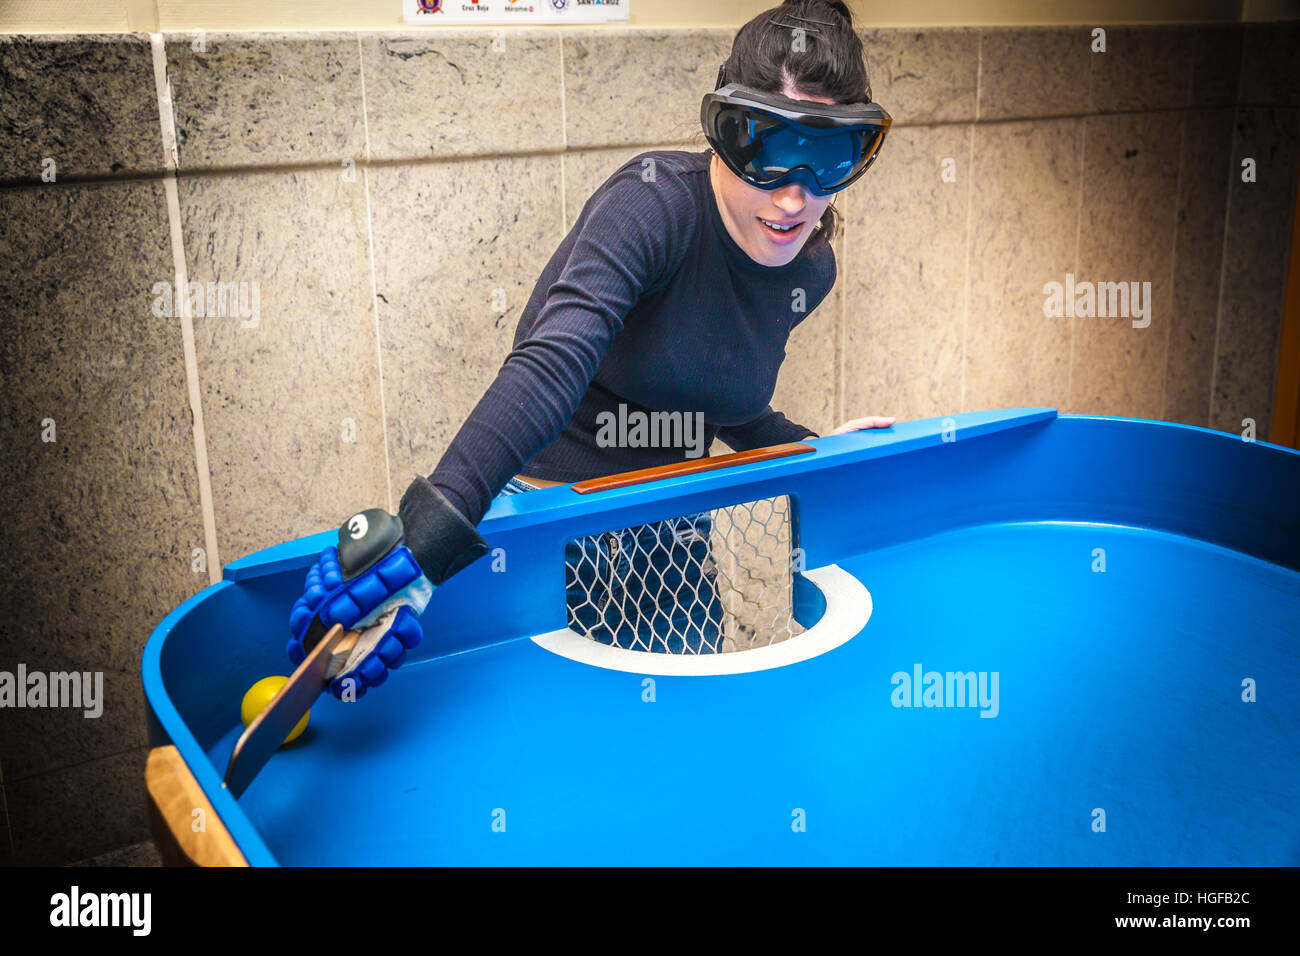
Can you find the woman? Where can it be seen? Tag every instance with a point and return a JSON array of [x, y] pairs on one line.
[[675, 291]]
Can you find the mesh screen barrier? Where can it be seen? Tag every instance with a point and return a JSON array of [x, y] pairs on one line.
[[707, 583]]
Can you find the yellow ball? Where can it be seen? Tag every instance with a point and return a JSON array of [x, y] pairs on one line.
[[259, 696]]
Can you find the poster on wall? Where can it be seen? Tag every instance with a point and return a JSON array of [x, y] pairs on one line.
[[460, 12]]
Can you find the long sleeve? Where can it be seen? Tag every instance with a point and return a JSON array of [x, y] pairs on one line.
[[634, 234], [770, 428]]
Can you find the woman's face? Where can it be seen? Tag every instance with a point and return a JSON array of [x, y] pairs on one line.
[[746, 209]]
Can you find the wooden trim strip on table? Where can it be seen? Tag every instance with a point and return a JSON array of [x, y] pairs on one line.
[[177, 805], [680, 468]]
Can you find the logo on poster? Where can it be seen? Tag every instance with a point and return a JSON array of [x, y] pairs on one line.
[[430, 6]]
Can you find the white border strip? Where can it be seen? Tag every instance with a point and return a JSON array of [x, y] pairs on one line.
[[374, 282], [167, 121], [848, 608]]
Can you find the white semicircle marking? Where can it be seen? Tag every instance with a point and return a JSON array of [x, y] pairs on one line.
[[848, 608]]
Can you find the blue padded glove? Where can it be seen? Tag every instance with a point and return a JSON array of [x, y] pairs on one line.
[[378, 581], [384, 605]]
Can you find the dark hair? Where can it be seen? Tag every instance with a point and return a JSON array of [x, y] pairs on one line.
[[830, 63]]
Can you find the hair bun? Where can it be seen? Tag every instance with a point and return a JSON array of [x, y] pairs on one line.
[[837, 5]]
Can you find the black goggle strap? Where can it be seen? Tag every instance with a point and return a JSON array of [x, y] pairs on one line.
[[763, 111]]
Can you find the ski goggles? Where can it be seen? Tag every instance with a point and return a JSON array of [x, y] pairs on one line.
[[769, 140]]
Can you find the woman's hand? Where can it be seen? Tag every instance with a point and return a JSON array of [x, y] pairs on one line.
[[856, 424], [378, 581]]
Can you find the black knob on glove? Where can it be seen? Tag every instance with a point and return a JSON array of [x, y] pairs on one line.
[[365, 538]]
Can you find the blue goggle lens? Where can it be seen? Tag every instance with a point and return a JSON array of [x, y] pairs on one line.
[[830, 158], [769, 151]]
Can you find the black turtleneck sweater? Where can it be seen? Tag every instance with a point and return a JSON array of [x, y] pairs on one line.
[[650, 304]]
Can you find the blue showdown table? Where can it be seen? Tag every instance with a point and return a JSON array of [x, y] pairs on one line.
[[1032, 639]]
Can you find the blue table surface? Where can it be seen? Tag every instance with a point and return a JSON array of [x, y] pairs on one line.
[[1119, 690]]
